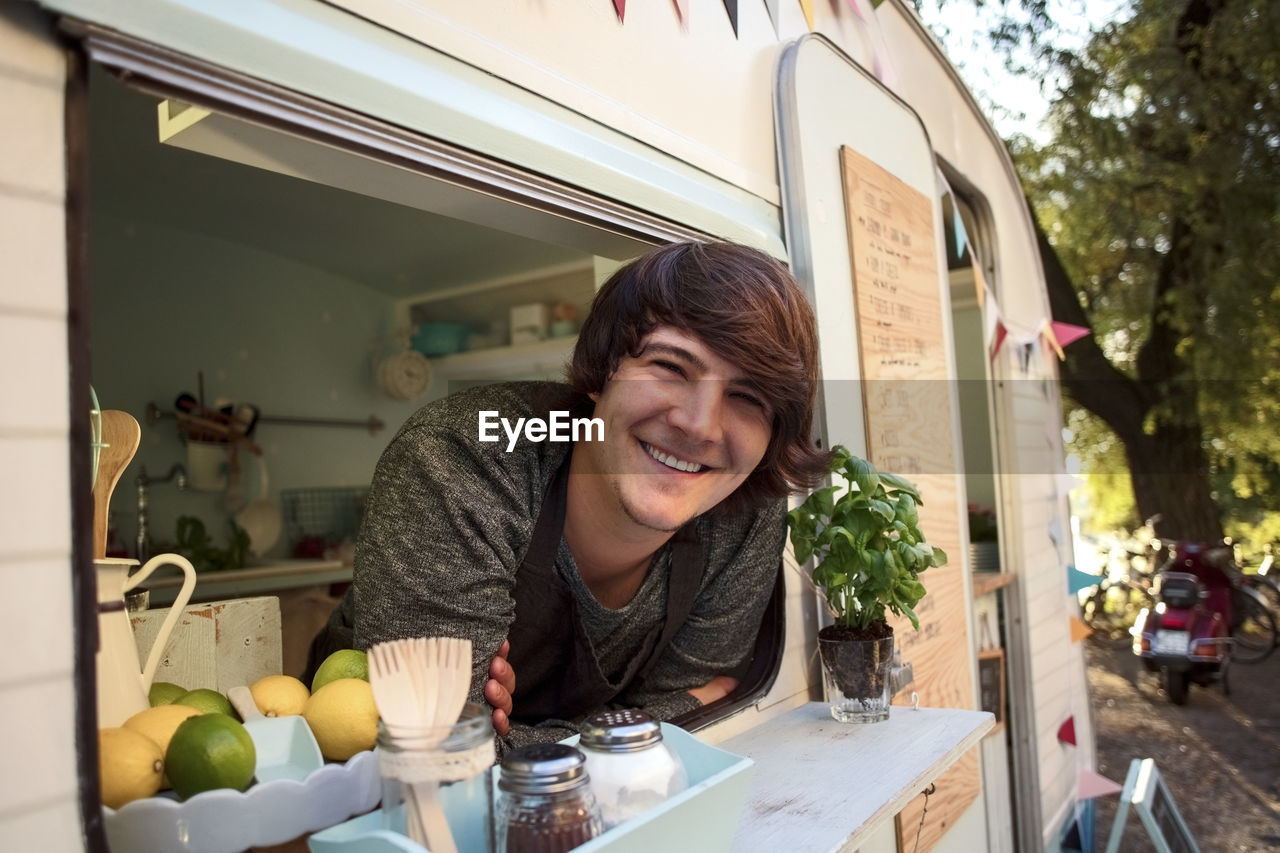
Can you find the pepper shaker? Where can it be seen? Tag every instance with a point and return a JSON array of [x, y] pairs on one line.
[[545, 804]]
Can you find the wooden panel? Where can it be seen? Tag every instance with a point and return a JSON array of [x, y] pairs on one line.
[[218, 645], [912, 426]]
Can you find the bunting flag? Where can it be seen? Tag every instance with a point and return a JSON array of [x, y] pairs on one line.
[[1079, 630], [682, 12], [1045, 332], [731, 6], [881, 64], [1067, 334], [806, 6], [1001, 333], [1078, 580], [1090, 784], [1067, 731], [620, 6], [772, 6]]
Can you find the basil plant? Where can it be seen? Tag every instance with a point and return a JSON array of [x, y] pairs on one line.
[[865, 538]]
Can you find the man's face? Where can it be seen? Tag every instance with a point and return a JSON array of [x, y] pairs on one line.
[[683, 428]]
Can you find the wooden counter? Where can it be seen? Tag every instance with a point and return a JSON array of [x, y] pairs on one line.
[[820, 785]]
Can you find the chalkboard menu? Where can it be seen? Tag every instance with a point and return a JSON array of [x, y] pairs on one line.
[[912, 426]]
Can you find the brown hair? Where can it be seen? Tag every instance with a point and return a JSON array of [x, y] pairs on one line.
[[748, 309]]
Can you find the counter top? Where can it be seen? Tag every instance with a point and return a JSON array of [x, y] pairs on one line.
[[821, 785]]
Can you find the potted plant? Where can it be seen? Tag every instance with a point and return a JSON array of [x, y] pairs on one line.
[[868, 552]]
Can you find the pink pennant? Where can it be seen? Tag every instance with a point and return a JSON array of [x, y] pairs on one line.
[[1090, 785], [1067, 731], [1066, 333], [620, 6]]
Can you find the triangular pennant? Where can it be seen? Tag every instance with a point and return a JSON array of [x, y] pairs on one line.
[[979, 280], [1046, 333], [772, 6], [1025, 350], [1078, 580], [806, 6], [1067, 731], [1090, 784], [1001, 333], [620, 6], [731, 6], [856, 6], [1079, 630], [682, 12], [1066, 333]]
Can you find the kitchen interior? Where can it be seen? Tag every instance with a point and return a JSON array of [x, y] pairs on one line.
[[271, 309]]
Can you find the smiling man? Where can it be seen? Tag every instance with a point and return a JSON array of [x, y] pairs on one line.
[[629, 567]]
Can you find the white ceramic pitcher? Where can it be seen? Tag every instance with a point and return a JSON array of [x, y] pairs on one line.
[[123, 684]]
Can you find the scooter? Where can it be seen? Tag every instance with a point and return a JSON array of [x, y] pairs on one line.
[[1186, 636]]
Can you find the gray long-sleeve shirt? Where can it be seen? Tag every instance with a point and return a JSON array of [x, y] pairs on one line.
[[446, 526]]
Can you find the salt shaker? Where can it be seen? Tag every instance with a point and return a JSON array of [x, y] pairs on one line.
[[545, 804], [632, 768]]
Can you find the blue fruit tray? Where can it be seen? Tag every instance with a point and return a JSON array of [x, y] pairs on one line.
[[703, 817]]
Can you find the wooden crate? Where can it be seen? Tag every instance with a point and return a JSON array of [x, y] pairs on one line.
[[217, 644]]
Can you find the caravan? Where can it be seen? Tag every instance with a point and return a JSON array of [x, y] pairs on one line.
[[271, 193]]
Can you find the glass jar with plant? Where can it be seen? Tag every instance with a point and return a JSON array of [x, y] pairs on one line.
[[868, 550]]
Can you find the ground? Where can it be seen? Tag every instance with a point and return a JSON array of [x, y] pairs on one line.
[[1220, 755]]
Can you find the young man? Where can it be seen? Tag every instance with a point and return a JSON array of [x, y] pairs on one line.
[[629, 564]]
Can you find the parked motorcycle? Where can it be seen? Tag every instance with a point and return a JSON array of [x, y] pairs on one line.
[[1186, 636]]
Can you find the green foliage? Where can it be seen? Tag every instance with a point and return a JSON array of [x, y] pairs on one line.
[[195, 543], [866, 542]]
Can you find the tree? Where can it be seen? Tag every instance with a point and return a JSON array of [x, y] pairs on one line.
[[1158, 198]]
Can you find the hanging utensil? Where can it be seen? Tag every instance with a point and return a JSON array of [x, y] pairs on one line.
[[120, 437], [261, 519]]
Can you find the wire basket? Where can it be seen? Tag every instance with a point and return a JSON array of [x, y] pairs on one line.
[[329, 515]]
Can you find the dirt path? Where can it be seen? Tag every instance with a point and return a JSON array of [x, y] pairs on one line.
[[1219, 754]]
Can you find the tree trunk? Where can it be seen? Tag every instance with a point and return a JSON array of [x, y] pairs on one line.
[[1155, 416]]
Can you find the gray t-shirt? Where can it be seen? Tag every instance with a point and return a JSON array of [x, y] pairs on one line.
[[446, 526]]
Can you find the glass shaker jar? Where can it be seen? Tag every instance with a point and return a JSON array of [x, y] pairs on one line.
[[435, 774], [632, 768], [545, 804]]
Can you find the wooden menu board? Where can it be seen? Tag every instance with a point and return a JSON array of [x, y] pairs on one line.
[[911, 431]]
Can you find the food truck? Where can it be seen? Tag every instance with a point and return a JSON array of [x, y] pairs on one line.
[[272, 204]]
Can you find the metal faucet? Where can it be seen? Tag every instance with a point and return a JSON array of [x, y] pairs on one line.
[[178, 475]]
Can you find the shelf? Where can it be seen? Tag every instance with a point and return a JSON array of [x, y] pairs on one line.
[[254, 580], [822, 785], [541, 358], [988, 582]]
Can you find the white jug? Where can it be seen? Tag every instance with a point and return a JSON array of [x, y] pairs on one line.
[[123, 684]]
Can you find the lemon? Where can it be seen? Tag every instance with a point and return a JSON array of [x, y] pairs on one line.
[[344, 663], [210, 751], [161, 722], [206, 701], [279, 695], [343, 718], [130, 766], [164, 692]]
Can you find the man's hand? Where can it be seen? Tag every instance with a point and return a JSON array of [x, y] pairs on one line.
[[717, 688], [498, 689]]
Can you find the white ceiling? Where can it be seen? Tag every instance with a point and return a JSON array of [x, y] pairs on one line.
[[398, 250]]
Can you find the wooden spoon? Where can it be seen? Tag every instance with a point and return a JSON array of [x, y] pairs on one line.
[[120, 437]]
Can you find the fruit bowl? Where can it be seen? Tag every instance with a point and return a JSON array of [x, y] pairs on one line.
[[227, 821]]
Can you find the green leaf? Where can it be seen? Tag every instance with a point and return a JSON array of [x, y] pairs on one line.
[[882, 509], [863, 473], [906, 510], [939, 557]]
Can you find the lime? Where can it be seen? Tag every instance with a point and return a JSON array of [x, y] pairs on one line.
[[344, 663], [130, 766], [164, 692], [343, 718], [279, 695], [210, 751], [206, 701]]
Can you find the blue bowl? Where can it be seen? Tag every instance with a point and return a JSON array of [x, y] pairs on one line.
[[434, 339]]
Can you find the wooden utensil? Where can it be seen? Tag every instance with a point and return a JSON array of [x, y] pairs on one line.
[[120, 437], [421, 685]]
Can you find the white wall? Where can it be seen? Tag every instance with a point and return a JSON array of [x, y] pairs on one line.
[[38, 790]]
